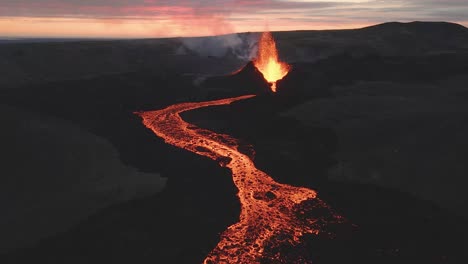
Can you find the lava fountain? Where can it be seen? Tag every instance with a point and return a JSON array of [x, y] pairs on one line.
[[267, 61]]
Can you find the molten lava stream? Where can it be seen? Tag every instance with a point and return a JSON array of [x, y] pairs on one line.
[[272, 214]]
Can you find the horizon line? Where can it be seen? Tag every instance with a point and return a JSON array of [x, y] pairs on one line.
[[76, 37]]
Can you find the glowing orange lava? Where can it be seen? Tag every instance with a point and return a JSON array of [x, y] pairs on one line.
[[272, 214], [267, 61]]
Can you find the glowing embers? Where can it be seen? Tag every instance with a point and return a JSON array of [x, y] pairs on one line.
[[267, 61]]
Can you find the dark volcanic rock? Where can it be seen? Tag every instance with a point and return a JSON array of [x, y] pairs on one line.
[[182, 223], [301, 81], [247, 80]]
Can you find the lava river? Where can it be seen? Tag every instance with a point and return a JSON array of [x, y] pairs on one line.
[[272, 214]]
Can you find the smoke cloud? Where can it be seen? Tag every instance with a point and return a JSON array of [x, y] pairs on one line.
[[242, 46]]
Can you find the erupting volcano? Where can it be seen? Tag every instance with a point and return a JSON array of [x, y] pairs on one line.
[[273, 215], [267, 61]]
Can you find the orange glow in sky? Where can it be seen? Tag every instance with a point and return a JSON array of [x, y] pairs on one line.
[[154, 18], [145, 28]]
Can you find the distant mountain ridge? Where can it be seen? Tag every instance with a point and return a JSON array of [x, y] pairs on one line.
[[419, 25], [33, 63], [387, 39]]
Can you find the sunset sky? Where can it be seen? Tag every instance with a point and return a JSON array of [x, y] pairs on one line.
[[163, 18]]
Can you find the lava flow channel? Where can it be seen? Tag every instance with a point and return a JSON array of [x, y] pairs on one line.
[[272, 214]]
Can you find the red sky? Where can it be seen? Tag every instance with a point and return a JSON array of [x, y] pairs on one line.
[[163, 18]]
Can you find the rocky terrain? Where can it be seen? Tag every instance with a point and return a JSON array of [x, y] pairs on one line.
[[374, 119]]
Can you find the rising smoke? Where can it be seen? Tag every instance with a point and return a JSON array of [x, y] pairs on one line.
[[242, 46]]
